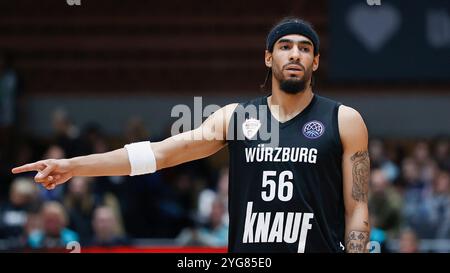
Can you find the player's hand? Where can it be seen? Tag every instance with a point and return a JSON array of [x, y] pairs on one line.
[[51, 172]]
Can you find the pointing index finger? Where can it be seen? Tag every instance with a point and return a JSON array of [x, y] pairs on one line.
[[37, 166]]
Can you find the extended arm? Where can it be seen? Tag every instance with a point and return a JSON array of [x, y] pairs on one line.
[[356, 170], [201, 142]]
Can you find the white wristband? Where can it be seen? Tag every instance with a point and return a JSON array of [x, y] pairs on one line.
[[141, 157]]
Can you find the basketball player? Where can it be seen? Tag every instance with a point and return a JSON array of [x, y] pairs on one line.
[[308, 193]]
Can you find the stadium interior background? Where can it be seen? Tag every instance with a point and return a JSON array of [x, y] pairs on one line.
[[90, 78]]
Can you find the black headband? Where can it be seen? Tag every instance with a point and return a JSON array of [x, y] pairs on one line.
[[292, 27]]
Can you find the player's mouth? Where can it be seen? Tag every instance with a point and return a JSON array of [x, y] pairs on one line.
[[293, 69]]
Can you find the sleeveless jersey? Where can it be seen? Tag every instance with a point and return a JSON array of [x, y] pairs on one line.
[[286, 192]]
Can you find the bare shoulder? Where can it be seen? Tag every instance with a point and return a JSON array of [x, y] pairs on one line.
[[228, 112], [224, 113], [230, 107], [218, 121], [351, 126]]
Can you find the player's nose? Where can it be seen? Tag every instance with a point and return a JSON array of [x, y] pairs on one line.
[[294, 54]]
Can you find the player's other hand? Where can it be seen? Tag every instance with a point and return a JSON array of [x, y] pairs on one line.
[[51, 172]]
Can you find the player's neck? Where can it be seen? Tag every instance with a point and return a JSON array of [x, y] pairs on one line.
[[289, 105]]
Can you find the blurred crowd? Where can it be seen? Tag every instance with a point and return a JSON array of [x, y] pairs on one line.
[[410, 191], [409, 197], [187, 203]]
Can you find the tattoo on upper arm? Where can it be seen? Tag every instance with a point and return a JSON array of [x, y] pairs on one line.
[[360, 173], [357, 241]]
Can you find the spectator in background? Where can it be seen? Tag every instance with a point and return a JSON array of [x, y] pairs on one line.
[[207, 197], [65, 132], [379, 160], [429, 172], [135, 130], [91, 140], [9, 84], [384, 202], [33, 224], [23, 198], [214, 234], [410, 179], [421, 153], [179, 203], [426, 165], [54, 233], [80, 204], [23, 152], [379, 235], [408, 242], [431, 220], [106, 229], [9, 92], [413, 193], [442, 153], [442, 204]]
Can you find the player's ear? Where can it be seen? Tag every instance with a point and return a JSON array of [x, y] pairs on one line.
[[316, 62], [268, 59]]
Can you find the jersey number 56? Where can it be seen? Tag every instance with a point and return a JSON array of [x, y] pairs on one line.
[[270, 187]]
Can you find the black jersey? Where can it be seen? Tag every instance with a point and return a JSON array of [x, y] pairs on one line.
[[287, 195]]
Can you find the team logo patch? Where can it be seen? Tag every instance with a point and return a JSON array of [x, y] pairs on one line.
[[250, 127], [313, 129]]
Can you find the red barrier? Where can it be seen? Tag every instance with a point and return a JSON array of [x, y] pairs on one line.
[[156, 249]]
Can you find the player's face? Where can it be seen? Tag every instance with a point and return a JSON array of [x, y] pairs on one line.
[[53, 222], [292, 62]]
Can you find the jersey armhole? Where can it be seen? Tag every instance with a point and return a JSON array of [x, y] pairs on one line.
[[336, 127]]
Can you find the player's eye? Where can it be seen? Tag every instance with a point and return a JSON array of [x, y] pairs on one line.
[[284, 47], [304, 49]]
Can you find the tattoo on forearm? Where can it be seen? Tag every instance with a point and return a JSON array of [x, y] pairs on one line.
[[360, 173], [357, 241]]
